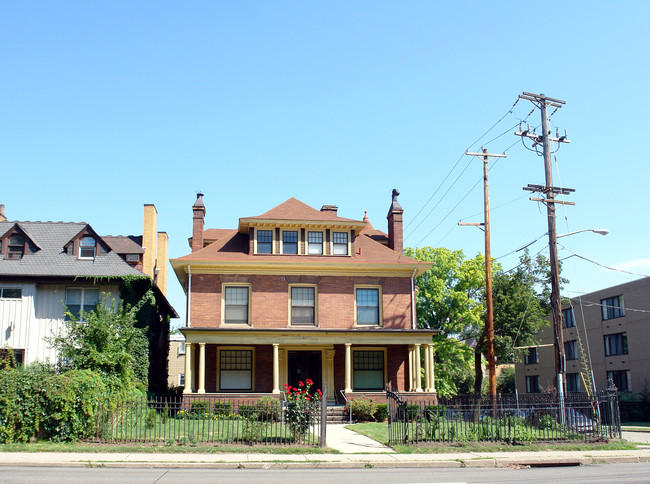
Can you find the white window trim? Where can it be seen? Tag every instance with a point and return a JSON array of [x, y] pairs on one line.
[[323, 242], [87, 246], [380, 323], [331, 243], [315, 286], [223, 302], [82, 305]]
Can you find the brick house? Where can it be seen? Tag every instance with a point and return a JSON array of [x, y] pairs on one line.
[[299, 293]]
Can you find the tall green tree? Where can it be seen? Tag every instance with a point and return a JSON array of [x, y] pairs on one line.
[[451, 299]]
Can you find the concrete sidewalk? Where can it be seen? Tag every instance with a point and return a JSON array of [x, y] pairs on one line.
[[269, 461]]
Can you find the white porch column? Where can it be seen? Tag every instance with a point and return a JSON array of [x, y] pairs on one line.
[[329, 374], [201, 388], [411, 370], [427, 369], [348, 367], [432, 382], [276, 368], [188, 368], [418, 379]]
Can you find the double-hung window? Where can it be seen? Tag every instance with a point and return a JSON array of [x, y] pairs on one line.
[[87, 248], [615, 344], [368, 370], [315, 243], [340, 243], [264, 241], [236, 370], [303, 305], [531, 358], [290, 242], [570, 350], [612, 307], [236, 304], [367, 302], [568, 321], [532, 384], [80, 299]]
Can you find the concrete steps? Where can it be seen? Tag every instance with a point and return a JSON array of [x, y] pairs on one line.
[[337, 414]]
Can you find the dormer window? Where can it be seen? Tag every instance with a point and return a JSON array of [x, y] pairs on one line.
[[340, 243], [16, 248], [264, 241], [87, 248], [315, 243], [134, 258], [290, 242]]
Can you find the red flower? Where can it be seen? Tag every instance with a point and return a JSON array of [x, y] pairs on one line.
[[319, 392], [301, 383], [309, 382]]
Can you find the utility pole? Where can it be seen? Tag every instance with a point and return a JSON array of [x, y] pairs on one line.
[[548, 198], [489, 319]]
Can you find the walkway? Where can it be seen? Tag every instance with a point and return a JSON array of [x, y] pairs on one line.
[[349, 442]]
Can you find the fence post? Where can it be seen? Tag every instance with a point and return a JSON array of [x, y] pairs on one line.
[[323, 417], [612, 401]]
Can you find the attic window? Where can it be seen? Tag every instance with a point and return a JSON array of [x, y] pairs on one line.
[[16, 248], [133, 257], [87, 248]]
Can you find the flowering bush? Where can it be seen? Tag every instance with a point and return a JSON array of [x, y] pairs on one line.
[[301, 406]]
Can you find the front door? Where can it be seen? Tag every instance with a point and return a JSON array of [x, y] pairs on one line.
[[305, 365]]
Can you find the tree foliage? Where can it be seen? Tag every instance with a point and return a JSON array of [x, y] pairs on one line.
[[451, 299]]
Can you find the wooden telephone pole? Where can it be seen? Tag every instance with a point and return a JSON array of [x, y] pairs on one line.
[[489, 318], [549, 192]]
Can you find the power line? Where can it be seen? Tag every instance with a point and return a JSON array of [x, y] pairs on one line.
[[601, 265]]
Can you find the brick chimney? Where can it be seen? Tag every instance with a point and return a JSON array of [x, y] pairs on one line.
[[149, 228], [330, 208], [395, 232], [197, 224], [2, 213]]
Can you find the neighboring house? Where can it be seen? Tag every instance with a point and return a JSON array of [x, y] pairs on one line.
[[299, 293], [47, 266], [176, 361], [612, 326]]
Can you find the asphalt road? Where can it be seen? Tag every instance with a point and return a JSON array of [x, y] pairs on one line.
[[619, 473]]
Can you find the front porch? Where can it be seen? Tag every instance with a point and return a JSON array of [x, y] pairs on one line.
[[247, 364]]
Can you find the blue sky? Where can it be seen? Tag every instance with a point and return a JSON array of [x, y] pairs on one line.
[[106, 106]]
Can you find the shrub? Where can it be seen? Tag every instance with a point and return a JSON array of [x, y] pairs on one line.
[[300, 406], [363, 409], [269, 408], [382, 412], [222, 408]]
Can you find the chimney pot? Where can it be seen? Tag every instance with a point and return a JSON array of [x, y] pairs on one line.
[[329, 208]]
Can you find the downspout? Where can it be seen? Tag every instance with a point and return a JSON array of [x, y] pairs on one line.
[[189, 294], [413, 322]]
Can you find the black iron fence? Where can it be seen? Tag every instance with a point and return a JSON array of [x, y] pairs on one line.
[[178, 421], [506, 418]]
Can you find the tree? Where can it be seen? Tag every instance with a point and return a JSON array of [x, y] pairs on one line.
[[105, 341], [451, 298]]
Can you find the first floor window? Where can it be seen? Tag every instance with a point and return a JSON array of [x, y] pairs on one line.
[[570, 350], [615, 344], [236, 370], [573, 382], [236, 305], [13, 356], [620, 379], [87, 248], [368, 370], [264, 241], [568, 320], [181, 379], [612, 307], [10, 293], [532, 384], [531, 358], [367, 300], [303, 305], [340, 243], [80, 299]]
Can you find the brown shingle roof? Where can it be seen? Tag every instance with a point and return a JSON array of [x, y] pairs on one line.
[[294, 209]]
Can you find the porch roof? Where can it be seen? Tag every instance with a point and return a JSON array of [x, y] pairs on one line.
[[308, 336]]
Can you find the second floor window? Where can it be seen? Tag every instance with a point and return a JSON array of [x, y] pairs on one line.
[[290, 242], [80, 299], [87, 248], [570, 350], [340, 243], [236, 305], [612, 307], [303, 305], [367, 300], [615, 344], [264, 241], [531, 358], [16, 248], [567, 318], [532, 384]]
